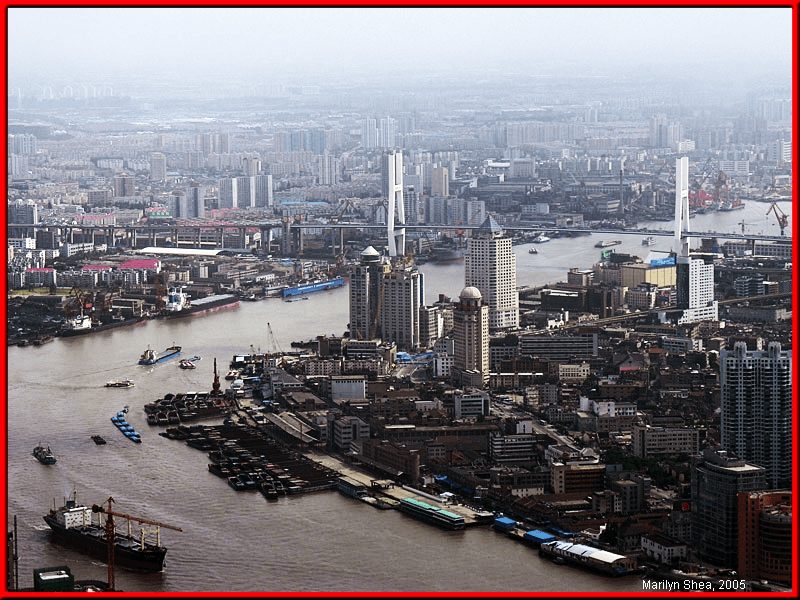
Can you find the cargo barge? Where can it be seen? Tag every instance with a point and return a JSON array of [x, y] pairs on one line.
[[588, 557], [432, 514], [82, 329], [179, 306], [317, 286], [72, 523], [149, 357]]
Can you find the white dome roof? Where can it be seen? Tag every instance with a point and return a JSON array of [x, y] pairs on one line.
[[369, 251], [470, 293]]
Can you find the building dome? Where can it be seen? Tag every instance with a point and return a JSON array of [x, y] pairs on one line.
[[470, 293], [369, 254]]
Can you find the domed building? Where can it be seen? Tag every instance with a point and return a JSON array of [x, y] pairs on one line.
[[471, 337]]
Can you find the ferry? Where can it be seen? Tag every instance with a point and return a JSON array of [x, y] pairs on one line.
[[533, 251], [607, 243], [433, 514], [588, 557], [648, 241], [316, 286], [187, 364], [44, 455]]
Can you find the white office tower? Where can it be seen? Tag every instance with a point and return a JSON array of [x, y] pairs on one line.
[[490, 266], [158, 167], [264, 191], [366, 281], [694, 273], [227, 193], [756, 404], [402, 295], [471, 334], [246, 192], [392, 190]]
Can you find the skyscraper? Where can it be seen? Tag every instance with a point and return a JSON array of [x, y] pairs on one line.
[[263, 191], [228, 195], [369, 133], [366, 281], [402, 296], [756, 403], [251, 166], [694, 272], [392, 190], [490, 266], [717, 478], [158, 167], [246, 192], [195, 201], [440, 182], [386, 133], [471, 334]]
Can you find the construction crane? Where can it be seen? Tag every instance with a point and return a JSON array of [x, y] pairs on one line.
[[111, 532], [780, 217]]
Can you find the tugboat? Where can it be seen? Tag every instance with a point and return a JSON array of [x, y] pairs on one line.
[[44, 455], [98, 439], [533, 251], [187, 364]]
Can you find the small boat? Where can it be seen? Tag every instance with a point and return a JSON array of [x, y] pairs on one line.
[[122, 383], [533, 251], [45, 339], [187, 364], [607, 243], [44, 455], [98, 439], [193, 358], [648, 241], [232, 375]]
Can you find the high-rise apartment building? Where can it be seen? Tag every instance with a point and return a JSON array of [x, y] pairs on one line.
[[440, 181], [264, 197], [756, 403], [386, 132], [717, 479], [490, 266], [366, 281], [327, 169], [251, 166], [402, 296], [124, 185], [471, 334], [228, 193], [245, 192], [22, 211], [158, 166], [196, 201], [392, 190], [369, 133]]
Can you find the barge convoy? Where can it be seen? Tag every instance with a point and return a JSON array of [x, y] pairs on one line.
[[149, 357], [316, 286]]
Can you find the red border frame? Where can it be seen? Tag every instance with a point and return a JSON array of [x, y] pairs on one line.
[[793, 4]]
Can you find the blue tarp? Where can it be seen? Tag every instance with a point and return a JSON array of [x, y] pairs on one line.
[[537, 535], [504, 523]]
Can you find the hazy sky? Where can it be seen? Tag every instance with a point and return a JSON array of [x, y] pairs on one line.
[[158, 41]]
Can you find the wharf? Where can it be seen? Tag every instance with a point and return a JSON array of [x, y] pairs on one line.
[[472, 517]]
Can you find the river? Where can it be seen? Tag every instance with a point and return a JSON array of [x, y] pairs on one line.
[[237, 541]]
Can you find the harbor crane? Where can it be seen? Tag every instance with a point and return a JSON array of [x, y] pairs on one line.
[[111, 532], [780, 217], [275, 346]]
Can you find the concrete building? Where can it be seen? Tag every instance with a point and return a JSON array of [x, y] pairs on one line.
[[345, 429], [195, 201], [491, 266], [471, 405], [717, 479], [124, 185], [227, 193], [264, 198], [471, 334], [765, 536], [654, 441], [440, 182], [402, 295], [245, 192], [558, 347], [756, 402], [158, 166], [366, 285]]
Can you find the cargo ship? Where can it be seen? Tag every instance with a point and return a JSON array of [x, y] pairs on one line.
[[316, 286], [178, 305], [72, 523], [149, 357], [82, 324], [432, 514], [732, 205], [607, 243]]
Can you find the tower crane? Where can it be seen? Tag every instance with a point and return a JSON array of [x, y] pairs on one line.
[[780, 217], [111, 532]]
